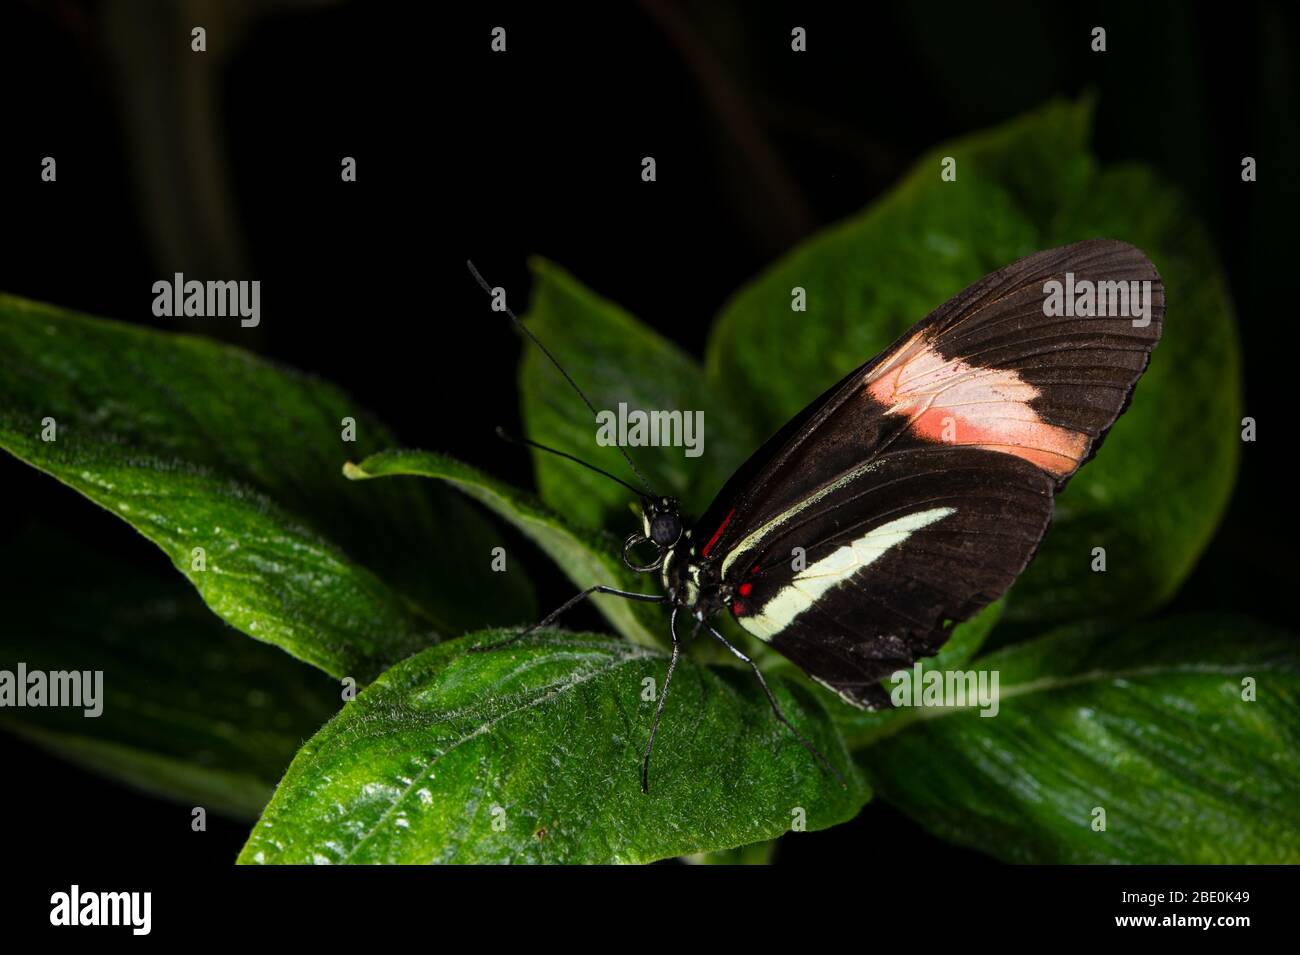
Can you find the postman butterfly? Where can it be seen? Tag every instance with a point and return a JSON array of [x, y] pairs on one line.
[[916, 489]]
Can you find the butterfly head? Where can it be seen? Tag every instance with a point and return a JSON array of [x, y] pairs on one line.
[[661, 526], [662, 521]]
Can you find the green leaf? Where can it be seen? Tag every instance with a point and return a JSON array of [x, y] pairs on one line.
[[870, 278], [533, 753], [191, 710], [760, 853], [199, 445], [1156, 491], [1146, 722], [616, 359], [586, 557]]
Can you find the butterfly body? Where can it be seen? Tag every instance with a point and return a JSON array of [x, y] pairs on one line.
[[692, 583]]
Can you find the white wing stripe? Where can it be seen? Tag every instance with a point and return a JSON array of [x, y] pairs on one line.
[[817, 578], [756, 537]]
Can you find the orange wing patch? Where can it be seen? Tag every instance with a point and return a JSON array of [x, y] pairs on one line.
[[951, 402]]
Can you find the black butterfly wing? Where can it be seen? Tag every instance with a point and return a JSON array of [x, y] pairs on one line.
[[988, 405], [863, 578]]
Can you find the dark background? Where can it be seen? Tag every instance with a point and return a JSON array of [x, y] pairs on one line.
[[227, 165]]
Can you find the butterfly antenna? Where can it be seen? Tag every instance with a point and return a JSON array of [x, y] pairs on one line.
[[567, 377], [506, 436]]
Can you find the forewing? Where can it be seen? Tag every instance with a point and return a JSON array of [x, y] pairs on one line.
[[987, 370]]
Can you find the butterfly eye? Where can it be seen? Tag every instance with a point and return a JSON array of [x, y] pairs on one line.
[[665, 529]]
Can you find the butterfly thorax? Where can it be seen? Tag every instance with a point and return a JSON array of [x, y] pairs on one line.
[[690, 581], [693, 583]]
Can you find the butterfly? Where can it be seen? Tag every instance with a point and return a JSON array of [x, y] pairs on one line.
[[913, 492]]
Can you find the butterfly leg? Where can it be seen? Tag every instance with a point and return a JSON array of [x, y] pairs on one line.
[[659, 710], [776, 707], [568, 604]]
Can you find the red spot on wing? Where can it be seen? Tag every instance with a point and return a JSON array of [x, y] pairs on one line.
[[738, 608], [745, 589], [951, 402], [718, 533]]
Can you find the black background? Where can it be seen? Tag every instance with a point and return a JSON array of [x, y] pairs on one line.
[[463, 153]]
